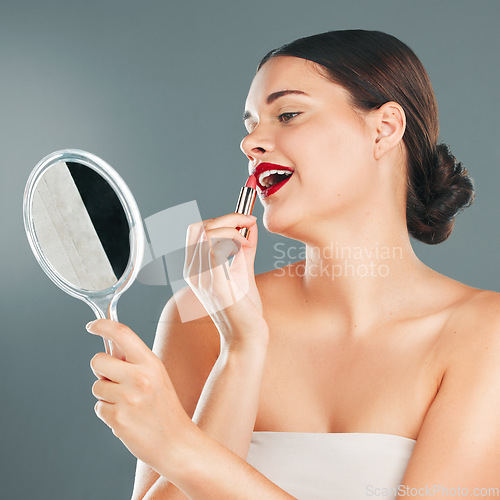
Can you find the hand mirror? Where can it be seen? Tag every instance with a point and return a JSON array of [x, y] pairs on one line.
[[85, 229]]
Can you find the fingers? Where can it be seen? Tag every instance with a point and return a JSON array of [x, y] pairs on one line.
[[107, 391], [209, 245], [134, 349], [193, 236], [227, 227], [214, 235], [108, 367], [223, 243], [211, 242], [105, 411], [246, 258], [219, 275], [228, 221], [252, 235]]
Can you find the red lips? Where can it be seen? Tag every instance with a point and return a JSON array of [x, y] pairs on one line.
[[264, 167]]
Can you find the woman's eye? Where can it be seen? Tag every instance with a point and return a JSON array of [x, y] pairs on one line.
[[286, 117]]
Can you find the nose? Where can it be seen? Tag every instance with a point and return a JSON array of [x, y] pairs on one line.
[[256, 144]]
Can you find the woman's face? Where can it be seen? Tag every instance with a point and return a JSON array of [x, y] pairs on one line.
[[318, 135]]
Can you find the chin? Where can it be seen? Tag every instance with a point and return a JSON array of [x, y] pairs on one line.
[[272, 222], [278, 223]]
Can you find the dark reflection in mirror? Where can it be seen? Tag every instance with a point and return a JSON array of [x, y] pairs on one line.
[[81, 226], [106, 213]]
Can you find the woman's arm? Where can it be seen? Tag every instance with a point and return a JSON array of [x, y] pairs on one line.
[[138, 401], [227, 407], [208, 470], [458, 447]]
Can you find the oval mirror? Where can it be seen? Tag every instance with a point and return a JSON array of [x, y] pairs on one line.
[[84, 228]]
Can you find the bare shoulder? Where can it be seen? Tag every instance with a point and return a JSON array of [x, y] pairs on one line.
[[475, 325], [185, 314], [481, 308], [463, 418]]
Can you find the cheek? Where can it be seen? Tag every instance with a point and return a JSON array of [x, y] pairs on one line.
[[333, 152], [345, 143], [340, 160]]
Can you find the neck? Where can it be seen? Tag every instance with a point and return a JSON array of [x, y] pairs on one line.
[[360, 274]]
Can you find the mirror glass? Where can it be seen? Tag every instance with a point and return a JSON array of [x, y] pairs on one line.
[[81, 226], [84, 228]]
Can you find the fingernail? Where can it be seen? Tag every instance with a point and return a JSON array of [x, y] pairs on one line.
[[88, 325], [252, 217]]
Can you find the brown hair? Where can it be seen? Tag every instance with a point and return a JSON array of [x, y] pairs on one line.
[[376, 68]]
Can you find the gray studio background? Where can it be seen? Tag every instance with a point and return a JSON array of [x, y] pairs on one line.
[[157, 89]]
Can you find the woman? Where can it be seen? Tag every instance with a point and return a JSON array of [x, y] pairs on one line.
[[388, 371]]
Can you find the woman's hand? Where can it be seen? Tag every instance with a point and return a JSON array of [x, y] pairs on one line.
[[228, 293], [137, 399]]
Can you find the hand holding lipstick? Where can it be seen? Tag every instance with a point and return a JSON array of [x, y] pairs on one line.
[[228, 293]]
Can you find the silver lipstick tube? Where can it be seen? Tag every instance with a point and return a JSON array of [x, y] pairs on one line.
[[245, 204]]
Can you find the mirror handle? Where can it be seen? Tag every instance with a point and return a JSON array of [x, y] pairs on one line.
[[99, 306], [110, 347]]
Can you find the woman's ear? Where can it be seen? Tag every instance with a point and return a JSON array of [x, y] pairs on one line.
[[389, 122]]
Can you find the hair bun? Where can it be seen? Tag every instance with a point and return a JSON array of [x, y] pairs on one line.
[[449, 190]]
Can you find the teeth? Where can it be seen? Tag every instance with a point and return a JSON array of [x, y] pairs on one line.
[[264, 178]]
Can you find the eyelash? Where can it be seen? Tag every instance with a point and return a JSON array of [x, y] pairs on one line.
[[285, 114]]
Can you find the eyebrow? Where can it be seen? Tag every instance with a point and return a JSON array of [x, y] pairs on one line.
[[272, 97]]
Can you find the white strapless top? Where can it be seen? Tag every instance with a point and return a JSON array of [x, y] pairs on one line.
[[332, 466]]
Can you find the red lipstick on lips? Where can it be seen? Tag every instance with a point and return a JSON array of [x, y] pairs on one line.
[[265, 167], [246, 201]]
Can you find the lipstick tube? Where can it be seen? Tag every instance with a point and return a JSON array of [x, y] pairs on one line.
[[245, 204]]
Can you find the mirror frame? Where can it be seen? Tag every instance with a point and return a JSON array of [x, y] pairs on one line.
[[102, 302]]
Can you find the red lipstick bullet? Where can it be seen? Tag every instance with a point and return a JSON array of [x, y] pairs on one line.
[[246, 200]]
